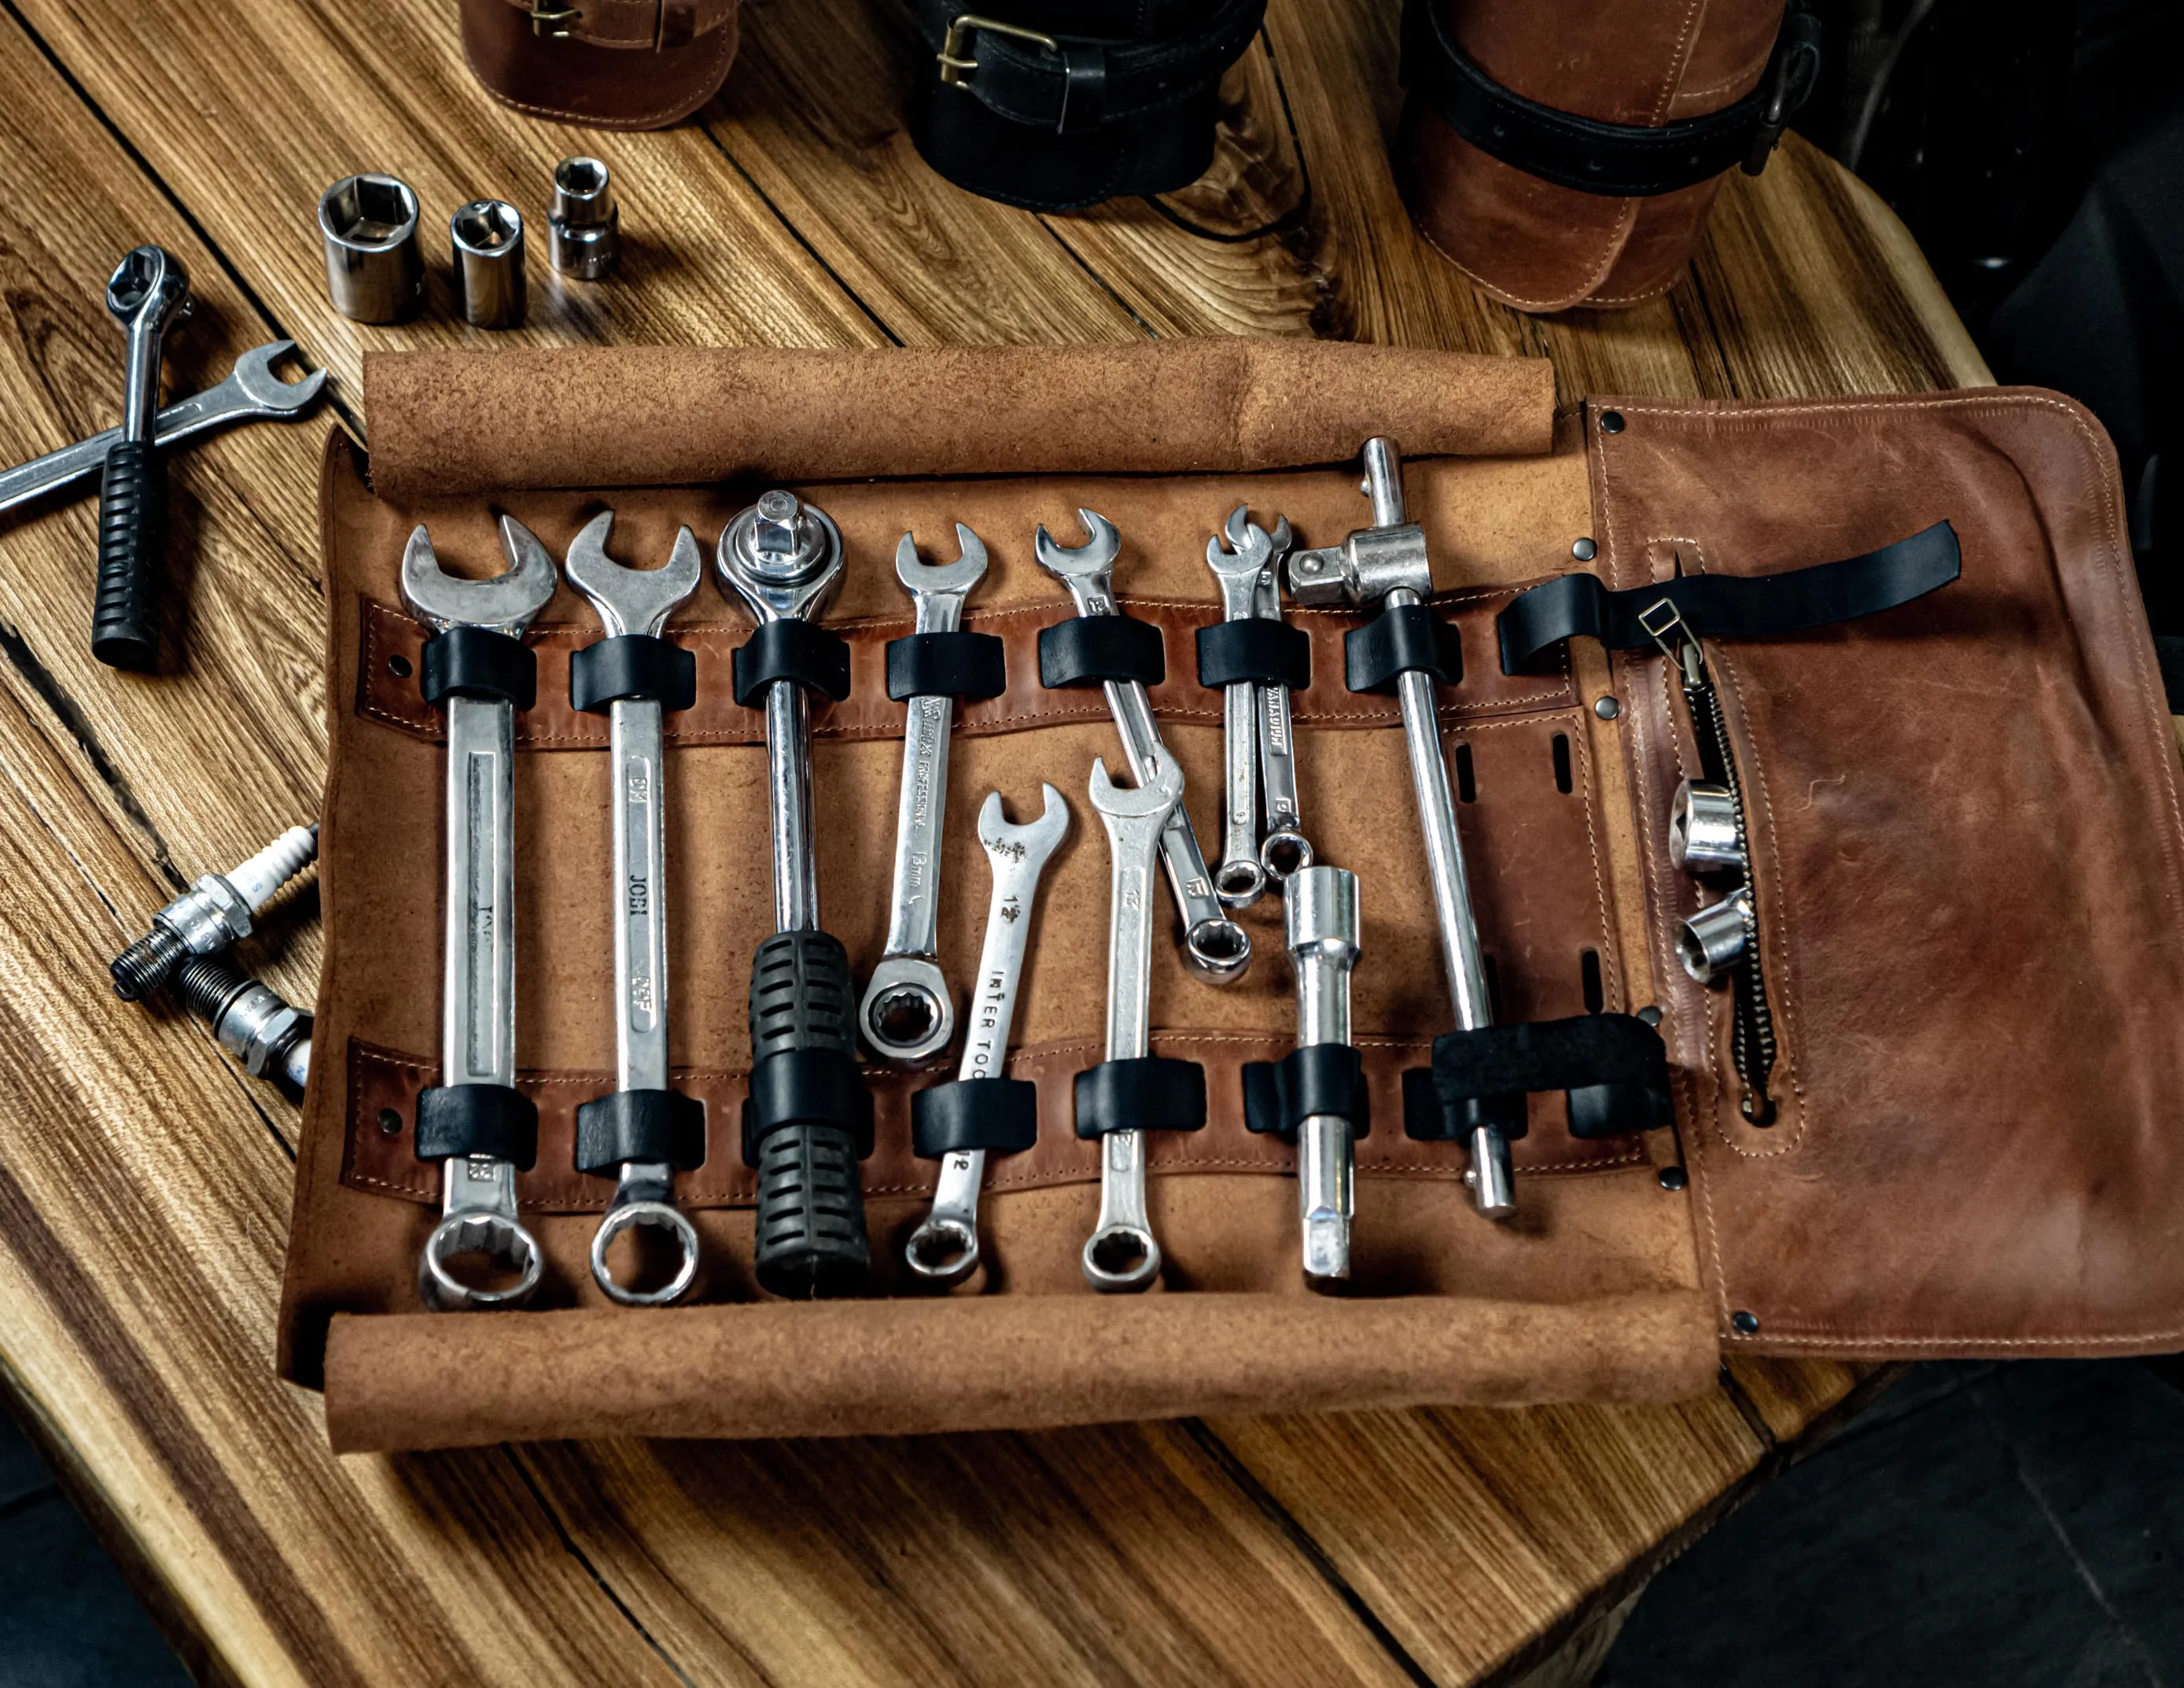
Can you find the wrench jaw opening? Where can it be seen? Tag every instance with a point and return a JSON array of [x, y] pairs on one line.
[[908, 1015]]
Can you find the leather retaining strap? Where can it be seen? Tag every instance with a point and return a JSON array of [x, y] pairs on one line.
[[477, 1119], [790, 650], [1615, 159], [1727, 606], [806, 1087], [999, 1116], [632, 666], [1401, 637], [1089, 651], [1319, 1078], [640, 1125], [477, 662], [1150, 1093], [1265, 653], [957, 665], [1613, 1067]]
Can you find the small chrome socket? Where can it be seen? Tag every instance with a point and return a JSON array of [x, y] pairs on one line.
[[1703, 835], [487, 236], [375, 267], [583, 235], [1713, 941]]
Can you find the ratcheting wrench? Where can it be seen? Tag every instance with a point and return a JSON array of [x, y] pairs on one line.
[[638, 601], [1217, 949], [1242, 567], [149, 291], [943, 1249], [1121, 1253], [478, 1015], [908, 1014], [1284, 849], [252, 393]]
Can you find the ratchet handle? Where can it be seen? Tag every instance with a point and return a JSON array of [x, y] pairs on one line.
[[132, 519]]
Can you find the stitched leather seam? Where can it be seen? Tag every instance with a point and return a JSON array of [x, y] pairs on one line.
[[1613, 250], [1813, 1336], [1679, 59]]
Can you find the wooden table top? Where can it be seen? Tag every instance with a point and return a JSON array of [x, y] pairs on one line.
[[145, 1181]]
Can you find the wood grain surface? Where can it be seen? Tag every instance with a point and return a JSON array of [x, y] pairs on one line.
[[144, 1180]]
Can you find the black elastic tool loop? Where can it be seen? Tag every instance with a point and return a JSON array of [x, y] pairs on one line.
[[958, 665], [477, 662], [640, 1125], [632, 666], [999, 1116], [1263, 652], [1614, 1068], [1090, 650], [1428, 1119], [1401, 637], [1150, 1093], [806, 1087], [813, 656], [477, 1119], [1319, 1078]]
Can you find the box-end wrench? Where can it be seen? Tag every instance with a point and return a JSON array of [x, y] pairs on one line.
[[477, 1014], [1242, 567], [1386, 564], [1121, 1253], [943, 1249], [908, 1014], [149, 290], [1284, 849], [637, 602], [252, 393], [1320, 911], [1218, 950]]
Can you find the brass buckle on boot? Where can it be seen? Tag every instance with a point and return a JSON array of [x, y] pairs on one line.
[[956, 62]]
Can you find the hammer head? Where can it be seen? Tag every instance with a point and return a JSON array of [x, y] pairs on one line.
[[632, 601], [506, 604], [1093, 560]]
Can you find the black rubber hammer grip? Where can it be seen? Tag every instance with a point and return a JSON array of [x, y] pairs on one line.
[[132, 519]]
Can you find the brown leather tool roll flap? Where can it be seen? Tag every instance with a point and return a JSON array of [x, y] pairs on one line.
[[604, 63], [1964, 824]]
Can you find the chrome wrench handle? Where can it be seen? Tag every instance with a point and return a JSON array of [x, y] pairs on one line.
[[1284, 850], [943, 1249], [1243, 567]]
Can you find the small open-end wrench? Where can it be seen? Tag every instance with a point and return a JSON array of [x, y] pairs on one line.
[[1121, 1253], [908, 1014], [149, 290], [1320, 911], [252, 393], [943, 1248], [1218, 950], [477, 1013], [637, 602], [1284, 849], [1242, 566]]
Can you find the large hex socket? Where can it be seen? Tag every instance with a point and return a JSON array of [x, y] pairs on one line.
[[1703, 833], [487, 236], [374, 268]]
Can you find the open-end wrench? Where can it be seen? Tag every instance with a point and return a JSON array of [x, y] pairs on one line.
[[1242, 567], [908, 1014], [637, 602], [1217, 948], [1121, 1253], [252, 393], [943, 1248], [477, 1013], [1320, 911], [1284, 849], [149, 290]]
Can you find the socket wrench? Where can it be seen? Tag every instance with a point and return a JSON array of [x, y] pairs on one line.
[[150, 289]]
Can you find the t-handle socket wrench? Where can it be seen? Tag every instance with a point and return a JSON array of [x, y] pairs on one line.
[[1121, 1253], [943, 1248], [150, 289], [1319, 907], [636, 603], [1386, 564], [1217, 948], [477, 1022], [908, 1015], [1242, 567]]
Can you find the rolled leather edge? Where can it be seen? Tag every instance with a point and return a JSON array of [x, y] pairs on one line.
[[624, 64], [1543, 247], [414, 1381], [455, 422]]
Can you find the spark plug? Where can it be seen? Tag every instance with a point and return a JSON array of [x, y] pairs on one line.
[[211, 915], [249, 1019]]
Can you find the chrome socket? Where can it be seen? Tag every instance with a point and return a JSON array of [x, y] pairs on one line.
[[1717, 938], [583, 235], [487, 236], [1703, 835], [374, 268]]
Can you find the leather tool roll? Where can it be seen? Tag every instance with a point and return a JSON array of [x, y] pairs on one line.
[[1058, 104], [605, 64], [1566, 153]]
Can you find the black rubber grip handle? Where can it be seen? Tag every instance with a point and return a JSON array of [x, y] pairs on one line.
[[132, 520], [811, 1199]]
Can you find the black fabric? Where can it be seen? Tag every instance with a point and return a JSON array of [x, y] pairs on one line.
[[1400, 638], [477, 662], [1266, 652], [477, 1119], [999, 1116], [640, 1125], [1727, 606], [1319, 1078], [1615, 1068], [2169, 652], [1428, 1119], [1151, 1092], [632, 666], [946, 665], [1089, 650], [1593, 156], [806, 1087], [814, 656]]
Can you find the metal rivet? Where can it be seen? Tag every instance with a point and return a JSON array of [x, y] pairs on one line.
[[1673, 1178], [1744, 1323], [1584, 550], [390, 1122], [1607, 707], [1610, 421], [1650, 1015], [398, 666]]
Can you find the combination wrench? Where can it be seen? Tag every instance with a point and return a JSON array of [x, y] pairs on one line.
[[943, 1249], [1284, 849], [908, 1014], [252, 393], [148, 290], [1217, 948], [477, 1022], [1243, 567], [1121, 1253], [636, 603]]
